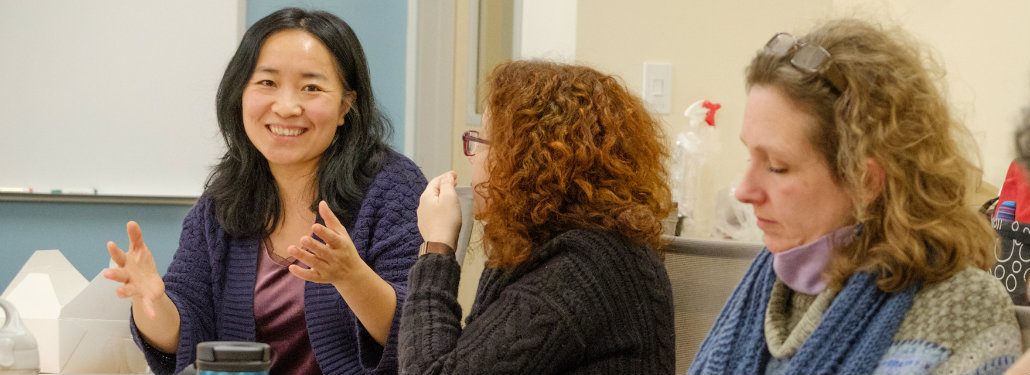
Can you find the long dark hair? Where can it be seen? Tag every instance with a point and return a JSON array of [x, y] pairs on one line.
[[241, 186]]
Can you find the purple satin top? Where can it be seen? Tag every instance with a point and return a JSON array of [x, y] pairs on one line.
[[279, 315]]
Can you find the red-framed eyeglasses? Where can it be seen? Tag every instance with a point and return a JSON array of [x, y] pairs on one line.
[[470, 139]]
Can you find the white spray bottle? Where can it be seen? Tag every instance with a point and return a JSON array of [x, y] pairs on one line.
[[692, 148]]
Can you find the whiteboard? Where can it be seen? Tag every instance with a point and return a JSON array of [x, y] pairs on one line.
[[113, 95]]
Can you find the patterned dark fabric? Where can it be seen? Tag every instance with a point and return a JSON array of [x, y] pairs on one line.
[[1012, 253]]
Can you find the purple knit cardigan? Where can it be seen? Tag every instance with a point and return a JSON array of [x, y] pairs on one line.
[[211, 281]]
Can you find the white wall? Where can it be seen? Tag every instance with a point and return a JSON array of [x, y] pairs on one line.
[[116, 95], [547, 29]]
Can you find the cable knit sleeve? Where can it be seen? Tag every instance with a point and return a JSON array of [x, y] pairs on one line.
[[522, 332], [386, 235], [393, 251], [187, 284], [584, 302]]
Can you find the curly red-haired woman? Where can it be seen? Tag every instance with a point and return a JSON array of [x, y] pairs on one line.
[[569, 179]]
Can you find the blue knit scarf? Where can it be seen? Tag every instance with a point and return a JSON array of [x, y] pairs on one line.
[[854, 333]]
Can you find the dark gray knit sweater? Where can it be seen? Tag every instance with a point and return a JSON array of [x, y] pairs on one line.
[[585, 302]]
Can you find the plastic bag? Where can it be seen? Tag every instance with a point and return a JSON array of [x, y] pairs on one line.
[[734, 220]]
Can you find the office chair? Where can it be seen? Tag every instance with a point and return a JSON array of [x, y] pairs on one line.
[[703, 274]]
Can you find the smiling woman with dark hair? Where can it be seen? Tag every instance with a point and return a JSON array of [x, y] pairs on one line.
[[306, 228]]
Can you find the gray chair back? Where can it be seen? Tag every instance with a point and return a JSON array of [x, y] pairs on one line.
[[703, 274], [467, 221]]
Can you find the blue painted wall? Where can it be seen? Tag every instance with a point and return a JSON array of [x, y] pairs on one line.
[[81, 230]]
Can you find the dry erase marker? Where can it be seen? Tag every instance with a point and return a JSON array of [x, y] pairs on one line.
[[74, 191], [15, 190]]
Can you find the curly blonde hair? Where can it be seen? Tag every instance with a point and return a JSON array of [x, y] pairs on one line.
[[570, 148], [916, 226]]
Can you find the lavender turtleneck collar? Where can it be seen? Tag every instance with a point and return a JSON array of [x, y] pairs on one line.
[[801, 268]]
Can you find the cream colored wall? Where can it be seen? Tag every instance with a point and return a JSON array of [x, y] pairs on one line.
[[472, 266], [461, 31], [708, 44], [985, 49], [547, 29]]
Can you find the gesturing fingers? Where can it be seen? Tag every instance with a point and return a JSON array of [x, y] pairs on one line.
[[330, 218], [313, 254], [305, 273], [116, 275], [432, 190], [447, 183], [116, 254], [333, 232], [311, 260], [135, 236], [332, 238], [329, 260], [126, 291]]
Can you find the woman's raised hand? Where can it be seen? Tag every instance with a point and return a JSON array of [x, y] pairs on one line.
[[439, 213], [337, 262], [136, 271], [331, 262]]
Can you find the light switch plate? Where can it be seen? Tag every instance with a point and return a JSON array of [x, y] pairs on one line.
[[657, 87]]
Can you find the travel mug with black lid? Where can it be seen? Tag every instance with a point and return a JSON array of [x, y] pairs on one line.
[[233, 358]]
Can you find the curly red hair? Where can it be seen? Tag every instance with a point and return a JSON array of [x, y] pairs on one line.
[[570, 148]]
